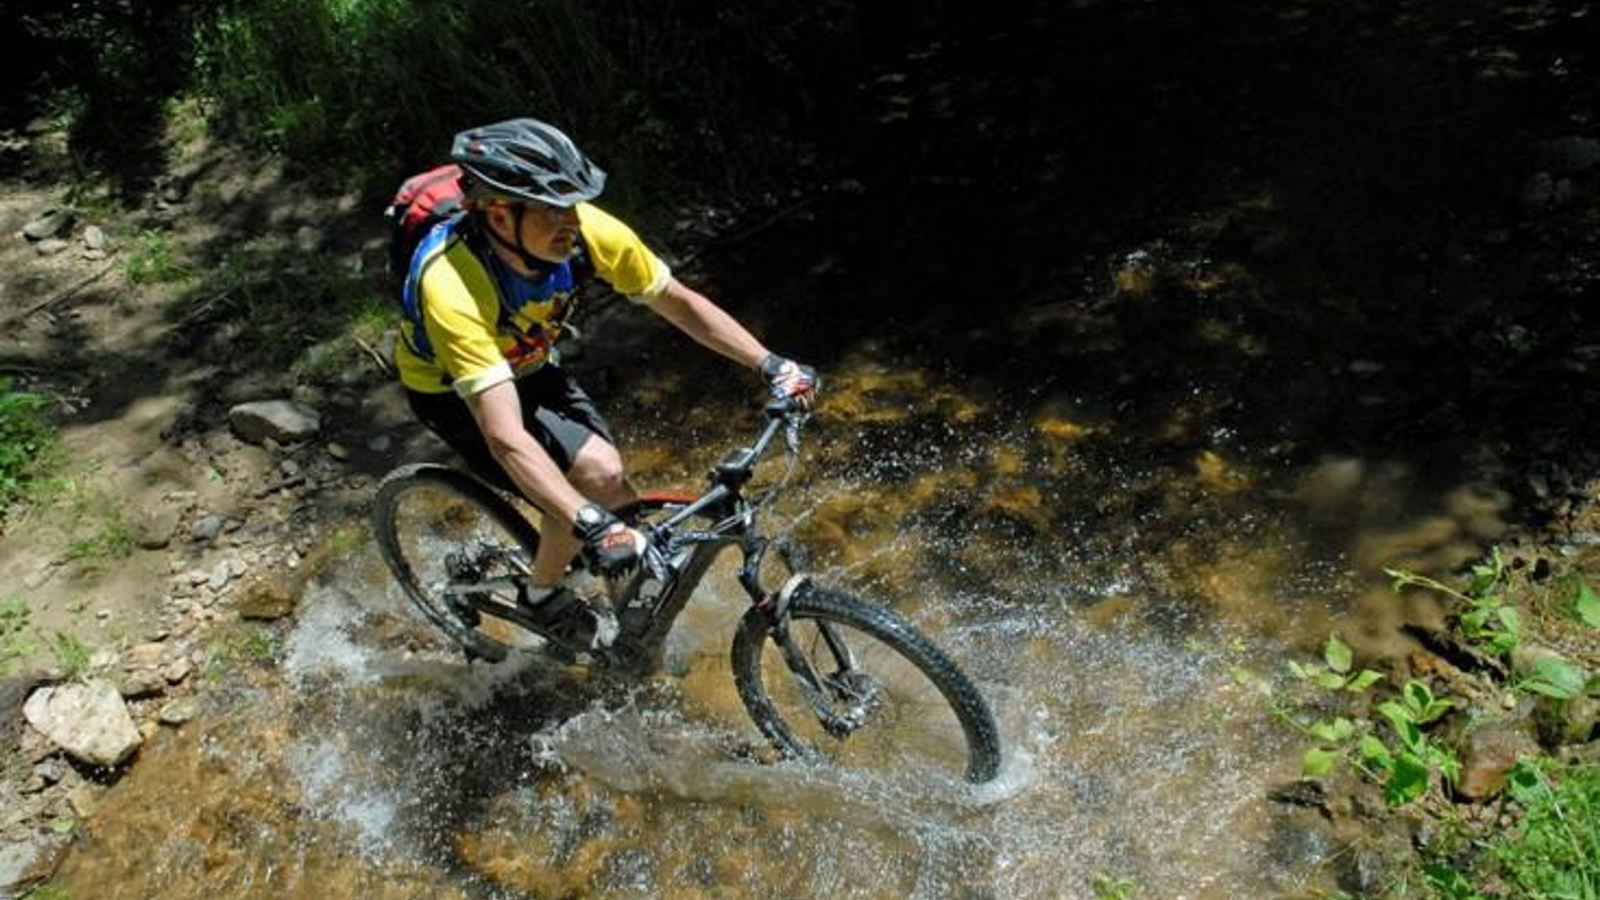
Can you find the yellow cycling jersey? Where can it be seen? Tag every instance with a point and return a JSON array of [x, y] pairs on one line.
[[471, 322]]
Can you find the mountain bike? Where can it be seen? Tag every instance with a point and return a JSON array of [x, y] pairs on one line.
[[823, 674]]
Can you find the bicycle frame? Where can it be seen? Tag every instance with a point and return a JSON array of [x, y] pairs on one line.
[[651, 601]]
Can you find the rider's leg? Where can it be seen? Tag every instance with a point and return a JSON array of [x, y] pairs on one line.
[[598, 474]]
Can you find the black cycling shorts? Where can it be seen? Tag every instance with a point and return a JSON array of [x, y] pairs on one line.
[[559, 415]]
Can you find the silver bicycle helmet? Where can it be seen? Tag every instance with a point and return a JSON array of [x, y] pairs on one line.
[[526, 159]]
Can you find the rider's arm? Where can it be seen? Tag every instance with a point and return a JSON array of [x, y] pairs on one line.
[[499, 416], [695, 315]]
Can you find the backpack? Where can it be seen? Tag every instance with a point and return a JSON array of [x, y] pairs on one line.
[[423, 201]]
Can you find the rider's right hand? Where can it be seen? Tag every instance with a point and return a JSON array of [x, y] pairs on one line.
[[789, 380], [610, 546]]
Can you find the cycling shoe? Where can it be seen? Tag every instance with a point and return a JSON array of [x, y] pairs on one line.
[[564, 617]]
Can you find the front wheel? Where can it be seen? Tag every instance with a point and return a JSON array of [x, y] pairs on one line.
[[854, 683]]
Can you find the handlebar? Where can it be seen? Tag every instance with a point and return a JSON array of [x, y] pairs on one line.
[[731, 474]]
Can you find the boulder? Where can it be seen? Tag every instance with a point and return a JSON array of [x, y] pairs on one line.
[[284, 421], [51, 223], [88, 720], [1489, 750]]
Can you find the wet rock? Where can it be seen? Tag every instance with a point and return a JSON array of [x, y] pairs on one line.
[[25, 864], [284, 421], [85, 799], [1362, 871], [268, 600], [50, 224], [89, 721], [1488, 752], [179, 711], [1305, 792]]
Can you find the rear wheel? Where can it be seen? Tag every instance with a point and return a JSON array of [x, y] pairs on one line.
[[439, 530], [854, 683]]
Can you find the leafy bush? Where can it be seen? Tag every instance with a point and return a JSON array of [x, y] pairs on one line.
[[645, 87]]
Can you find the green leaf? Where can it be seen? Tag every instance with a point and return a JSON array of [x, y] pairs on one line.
[[1503, 643], [1299, 671], [1587, 605], [63, 825], [1510, 619], [1337, 654], [1446, 762], [1524, 781], [1366, 679], [1545, 688], [1558, 674], [1331, 681], [1407, 781], [1417, 697], [1405, 726], [1318, 761], [1333, 731], [1374, 752]]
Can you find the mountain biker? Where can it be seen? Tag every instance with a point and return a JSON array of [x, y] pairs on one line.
[[486, 297]]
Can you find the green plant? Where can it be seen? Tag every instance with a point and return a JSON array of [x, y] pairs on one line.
[[1558, 679], [260, 644], [1406, 768], [25, 440], [153, 259], [1586, 605], [111, 539], [1337, 676], [15, 642], [1556, 853], [71, 654], [1488, 621], [1108, 887]]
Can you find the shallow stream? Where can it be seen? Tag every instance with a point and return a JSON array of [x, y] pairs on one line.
[[1103, 607]]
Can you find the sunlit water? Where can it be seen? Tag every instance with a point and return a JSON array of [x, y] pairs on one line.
[[357, 766]]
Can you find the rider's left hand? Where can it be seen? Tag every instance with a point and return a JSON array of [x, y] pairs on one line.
[[789, 380]]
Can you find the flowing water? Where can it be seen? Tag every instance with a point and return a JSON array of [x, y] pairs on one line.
[[1103, 607]]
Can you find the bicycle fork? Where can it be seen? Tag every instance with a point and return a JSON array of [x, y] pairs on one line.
[[847, 686]]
